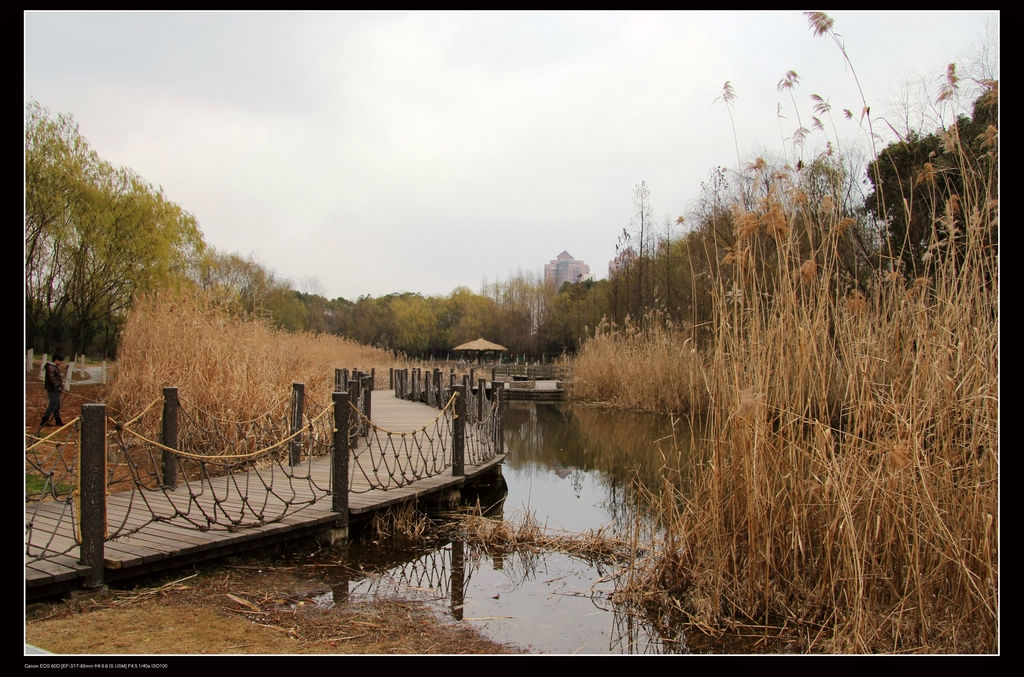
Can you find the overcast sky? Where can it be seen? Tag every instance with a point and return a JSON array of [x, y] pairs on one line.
[[357, 153]]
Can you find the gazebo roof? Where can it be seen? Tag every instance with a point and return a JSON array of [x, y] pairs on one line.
[[480, 344]]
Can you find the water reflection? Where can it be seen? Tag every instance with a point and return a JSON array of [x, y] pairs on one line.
[[544, 602], [583, 467], [571, 468]]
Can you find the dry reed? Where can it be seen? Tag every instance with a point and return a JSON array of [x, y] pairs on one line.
[[848, 489], [232, 367]]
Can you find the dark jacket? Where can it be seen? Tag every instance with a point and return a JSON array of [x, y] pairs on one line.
[[54, 380]]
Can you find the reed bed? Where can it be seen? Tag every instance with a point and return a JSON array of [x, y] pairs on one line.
[[236, 368], [665, 373], [847, 489]]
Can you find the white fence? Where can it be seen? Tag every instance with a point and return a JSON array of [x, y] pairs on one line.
[[75, 371]]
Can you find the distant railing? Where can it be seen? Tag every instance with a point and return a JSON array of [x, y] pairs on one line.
[[482, 415], [532, 372]]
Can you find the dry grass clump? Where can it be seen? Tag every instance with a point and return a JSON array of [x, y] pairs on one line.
[[236, 368], [402, 522], [526, 534], [643, 366]]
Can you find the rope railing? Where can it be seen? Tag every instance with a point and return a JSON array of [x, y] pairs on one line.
[[392, 459], [51, 479], [230, 474], [101, 479]]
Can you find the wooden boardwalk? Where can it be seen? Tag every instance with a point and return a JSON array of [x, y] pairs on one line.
[[158, 545]]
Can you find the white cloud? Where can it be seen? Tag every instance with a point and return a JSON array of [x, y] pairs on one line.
[[391, 151]]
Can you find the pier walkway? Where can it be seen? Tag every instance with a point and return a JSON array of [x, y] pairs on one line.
[[160, 507]]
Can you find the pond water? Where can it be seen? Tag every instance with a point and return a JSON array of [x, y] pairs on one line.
[[570, 468]]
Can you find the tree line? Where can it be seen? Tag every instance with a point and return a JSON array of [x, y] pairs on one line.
[[97, 235]]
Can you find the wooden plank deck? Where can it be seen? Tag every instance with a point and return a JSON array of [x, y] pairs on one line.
[[155, 545]]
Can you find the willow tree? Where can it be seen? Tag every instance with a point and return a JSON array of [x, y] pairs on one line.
[[95, 236]]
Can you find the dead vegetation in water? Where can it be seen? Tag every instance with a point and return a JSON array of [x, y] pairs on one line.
[[524, 533]]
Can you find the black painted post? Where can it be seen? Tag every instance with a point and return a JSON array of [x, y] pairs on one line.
[[367, 399], [438, 394], [467, 386], [357, 382], [459, 433], [298, 397], [339, 467], [500, 423], [337, 380], [391, 378], [355, 421], [92, 489], [170, 437], [481, 398]]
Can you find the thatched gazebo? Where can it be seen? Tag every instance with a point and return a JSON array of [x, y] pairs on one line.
[[479, 346]]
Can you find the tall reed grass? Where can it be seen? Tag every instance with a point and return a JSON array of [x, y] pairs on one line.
[[848, 487], [235, 367]]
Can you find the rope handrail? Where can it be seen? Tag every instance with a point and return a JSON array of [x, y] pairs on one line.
[[41, 440], [450, 404], [142, 413], [200, 409], [251, 454], [247, 487]]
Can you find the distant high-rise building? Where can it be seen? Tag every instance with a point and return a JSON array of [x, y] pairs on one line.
[[627, 256], [566, 269]]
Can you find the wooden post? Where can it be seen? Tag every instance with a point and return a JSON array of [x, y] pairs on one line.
[[499, 442], [337, 380], [436, 385], [459, 433], [391, 378], [367, 398], [481, 398], [339, 466], [170, 437], [355, 429], [298, 395], [357, 380], [92, 489]]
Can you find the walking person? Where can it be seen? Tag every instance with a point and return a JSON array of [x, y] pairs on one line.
[[54, 383]]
